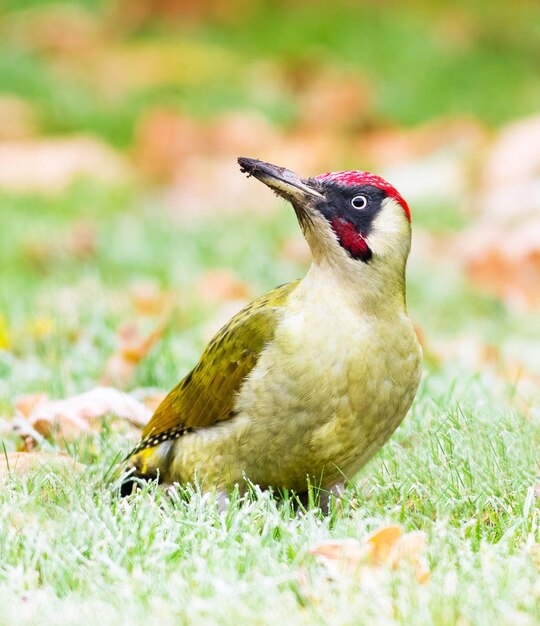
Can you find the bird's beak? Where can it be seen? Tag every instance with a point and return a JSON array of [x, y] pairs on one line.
[[283, 181]]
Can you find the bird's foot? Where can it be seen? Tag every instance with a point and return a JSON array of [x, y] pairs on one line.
[[328, 498], [331, 497]]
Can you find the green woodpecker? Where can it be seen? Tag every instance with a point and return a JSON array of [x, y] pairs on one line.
[[309, 381]]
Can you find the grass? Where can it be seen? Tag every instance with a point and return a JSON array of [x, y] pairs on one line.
[[73, 552], [461, 468]]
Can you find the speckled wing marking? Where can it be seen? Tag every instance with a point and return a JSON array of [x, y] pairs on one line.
[[206, 395]]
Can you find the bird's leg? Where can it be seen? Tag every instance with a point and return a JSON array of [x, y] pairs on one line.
[[327, 495], [333, 494], [222, 501]]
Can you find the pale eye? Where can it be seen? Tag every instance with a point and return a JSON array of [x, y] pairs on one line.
[[359, 202]]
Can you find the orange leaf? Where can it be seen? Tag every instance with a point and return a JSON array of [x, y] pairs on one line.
[[341, 556], [64, 420], [382, 541], [387, 546]]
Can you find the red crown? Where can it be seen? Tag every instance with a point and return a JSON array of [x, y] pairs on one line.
[[355, 177]]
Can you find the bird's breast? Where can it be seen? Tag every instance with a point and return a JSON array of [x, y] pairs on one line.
[[330, 388]]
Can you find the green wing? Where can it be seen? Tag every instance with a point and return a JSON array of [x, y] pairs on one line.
[[206, 395]]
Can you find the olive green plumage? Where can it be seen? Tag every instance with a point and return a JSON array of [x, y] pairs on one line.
[[306, 383], [206, 395]]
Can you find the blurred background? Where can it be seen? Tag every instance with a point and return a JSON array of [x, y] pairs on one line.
[[128, 234]]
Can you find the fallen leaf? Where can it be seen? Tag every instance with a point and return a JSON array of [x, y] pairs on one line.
[[342, 556], [28, 403], [433, 161], [51, 165], [27, 444], [149, 299], [23, 463], [392, 146], [504, 259], [132, 349], [164, 140], [410, 547], [64, 420], [515, 153], [500, 252], [332, 99], [386, 547], [381, 543]]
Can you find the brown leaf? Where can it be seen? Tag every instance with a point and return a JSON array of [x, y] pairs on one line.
[[27, 444], [381, 543], [22, 463], [410, 547], [81, 243], [164, 140], [342, 556], [502, 250], [132, 349], [149, 299], [28, 403], [393, 146], [386, 547], [505, 260], [65, 420], [335, 100], [514, 156], [51, 165]]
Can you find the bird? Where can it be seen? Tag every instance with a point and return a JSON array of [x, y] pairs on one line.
[[306, 383]]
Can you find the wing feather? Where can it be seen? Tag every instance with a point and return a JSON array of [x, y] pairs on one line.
[[206, 395]]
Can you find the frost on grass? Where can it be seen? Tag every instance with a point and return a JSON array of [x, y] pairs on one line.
[[460, 477]]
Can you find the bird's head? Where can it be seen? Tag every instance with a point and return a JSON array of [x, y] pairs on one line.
[[353, 221]]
